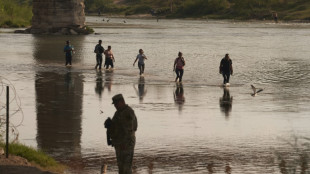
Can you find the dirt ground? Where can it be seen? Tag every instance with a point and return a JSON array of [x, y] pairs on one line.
[[18, 165]]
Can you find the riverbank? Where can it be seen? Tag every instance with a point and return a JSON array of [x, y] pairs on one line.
[[22, 158], [18, 165]]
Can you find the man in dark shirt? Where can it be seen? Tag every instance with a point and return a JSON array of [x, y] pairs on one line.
[[99, 50], [226, 68], [68, 49]]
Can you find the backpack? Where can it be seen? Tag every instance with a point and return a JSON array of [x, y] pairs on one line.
[[96, 49]]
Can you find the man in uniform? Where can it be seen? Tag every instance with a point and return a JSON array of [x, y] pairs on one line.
[[122, 133]]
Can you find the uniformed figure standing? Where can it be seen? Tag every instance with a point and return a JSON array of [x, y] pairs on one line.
[[122, 133]]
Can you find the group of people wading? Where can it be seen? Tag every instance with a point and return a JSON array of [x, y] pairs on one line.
[[109, 57], [178, 67], [123, 125]]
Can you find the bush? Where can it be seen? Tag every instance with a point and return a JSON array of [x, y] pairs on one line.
[[14, 14], [202, 7]]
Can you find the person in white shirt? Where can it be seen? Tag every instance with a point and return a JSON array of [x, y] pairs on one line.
[[141, 57]]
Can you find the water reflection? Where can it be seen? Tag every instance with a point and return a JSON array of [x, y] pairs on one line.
[[150, 167], [59, 98], [227, 169], [108, 80], [58, 103], [141, 91], [210, 168], [296, 158], [179, 98], [99, 84], [226, 102]]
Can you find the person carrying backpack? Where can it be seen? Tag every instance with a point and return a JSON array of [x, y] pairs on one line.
[[178, 67]]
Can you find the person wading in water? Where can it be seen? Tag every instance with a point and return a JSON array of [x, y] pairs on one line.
[[226, 69], [68, 49], [99, 50], [178, 67], [141, 57], [109, 58]]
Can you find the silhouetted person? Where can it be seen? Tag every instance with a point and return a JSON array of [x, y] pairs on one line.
[[178, 67], [68, 49], [99, 50], [226, 102], [275, 17], [122, 133], [226, 69]]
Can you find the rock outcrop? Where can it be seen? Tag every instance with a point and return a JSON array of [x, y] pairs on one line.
[[58, 17]]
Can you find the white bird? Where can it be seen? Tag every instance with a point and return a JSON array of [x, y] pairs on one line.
[[256, 90]]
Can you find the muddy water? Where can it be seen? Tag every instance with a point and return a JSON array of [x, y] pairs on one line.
[[196, 127]]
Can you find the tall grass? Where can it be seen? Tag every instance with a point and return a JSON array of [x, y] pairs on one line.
[[15, 14]]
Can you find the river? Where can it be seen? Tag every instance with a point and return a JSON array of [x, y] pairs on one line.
[[193, 127]]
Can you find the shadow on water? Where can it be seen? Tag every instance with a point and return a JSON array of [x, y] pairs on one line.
[[59, 98], [141, 91], [99, 84], [296, 158], [226, 102], [179, 98], [58, 103], [108, 80]]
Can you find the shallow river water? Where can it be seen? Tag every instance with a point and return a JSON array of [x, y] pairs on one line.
[[197, 127]]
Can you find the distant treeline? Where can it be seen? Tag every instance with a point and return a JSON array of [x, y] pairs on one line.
[[18, 13], [15, 13], [220, 9]]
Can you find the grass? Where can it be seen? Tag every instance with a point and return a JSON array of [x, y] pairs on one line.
[[297, 12], [36, 157]]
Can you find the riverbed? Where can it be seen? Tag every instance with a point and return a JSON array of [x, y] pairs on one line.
[[194, 127]]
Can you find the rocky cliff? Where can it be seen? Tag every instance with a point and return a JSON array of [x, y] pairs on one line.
[[58, 16]]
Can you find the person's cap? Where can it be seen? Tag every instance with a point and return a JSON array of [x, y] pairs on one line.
[[117, 98]]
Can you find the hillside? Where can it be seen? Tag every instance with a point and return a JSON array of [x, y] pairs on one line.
[[15, 13], [18, 13], [217, 9]]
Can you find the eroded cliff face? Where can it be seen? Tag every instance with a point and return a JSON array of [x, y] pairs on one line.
[[58, 16]]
